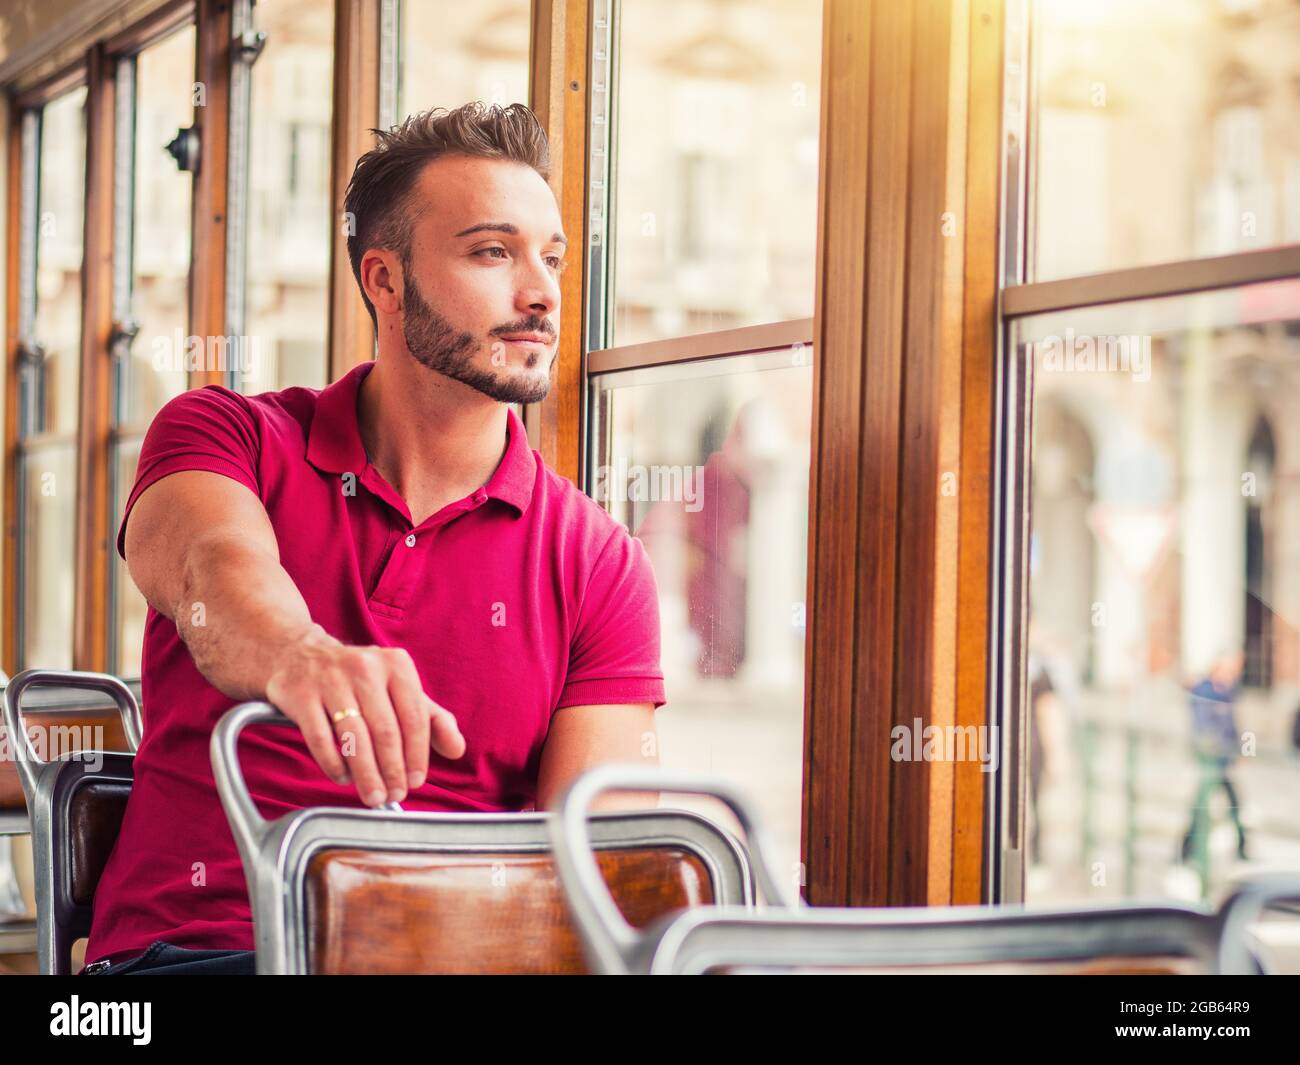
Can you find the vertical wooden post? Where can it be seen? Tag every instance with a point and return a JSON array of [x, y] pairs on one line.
[[13, 269], [893, 331], [90, 627], [558, 73], [356, 112], [213, 29]]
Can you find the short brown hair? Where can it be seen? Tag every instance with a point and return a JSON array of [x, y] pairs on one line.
[[377, 201]]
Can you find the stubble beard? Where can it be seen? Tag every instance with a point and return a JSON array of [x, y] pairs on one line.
[[435, 343]]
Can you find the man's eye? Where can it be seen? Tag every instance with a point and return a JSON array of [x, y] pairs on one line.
[[557, 264]]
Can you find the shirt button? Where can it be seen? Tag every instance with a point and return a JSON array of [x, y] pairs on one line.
[[410, 540]]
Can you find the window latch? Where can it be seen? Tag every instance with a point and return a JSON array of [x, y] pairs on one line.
[[122, 335], [184, 148]]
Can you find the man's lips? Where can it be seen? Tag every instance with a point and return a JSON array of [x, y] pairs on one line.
[[529, 339]]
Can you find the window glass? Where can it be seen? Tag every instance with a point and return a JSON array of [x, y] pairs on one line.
[[1164, 638], [707, 464], [714, 220], [60, 225], [129, 607], [49, 502], [47, 452], [289, 216], [153, 370], [160, 246], [452, 53], [1164, 130]]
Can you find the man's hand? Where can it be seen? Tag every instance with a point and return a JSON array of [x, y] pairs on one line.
[[363, 714]]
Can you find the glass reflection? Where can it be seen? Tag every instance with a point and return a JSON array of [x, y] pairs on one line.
[[708, 465], [1163, 130], [715, 183], [130, 608], [453, 53], [1164, 644], [49, 512], [60, 227], [160, 245], [289, 214]]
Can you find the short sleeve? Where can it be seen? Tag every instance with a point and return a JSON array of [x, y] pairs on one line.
[[210, 428], [614, 655]]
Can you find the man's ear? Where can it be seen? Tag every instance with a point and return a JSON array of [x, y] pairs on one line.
[[381, 276]]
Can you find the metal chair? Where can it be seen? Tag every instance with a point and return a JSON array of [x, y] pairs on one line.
[[352, 890], [1154, 938], [74, 809]]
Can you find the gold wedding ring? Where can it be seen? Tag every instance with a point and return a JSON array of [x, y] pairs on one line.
[[340, 715]]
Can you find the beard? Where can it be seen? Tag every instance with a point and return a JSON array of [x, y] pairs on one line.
[[435, 343]]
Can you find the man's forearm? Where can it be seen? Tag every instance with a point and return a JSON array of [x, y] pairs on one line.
[[238, 611]]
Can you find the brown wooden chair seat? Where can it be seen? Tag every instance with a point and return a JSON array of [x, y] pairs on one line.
[[337, 890], [75, 802]]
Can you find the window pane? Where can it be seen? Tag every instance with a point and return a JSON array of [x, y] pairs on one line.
[[452, 53], [1165, 130], [59, 231], [1164, 510], [708, 465], [161, 227], [129, 606], [49, 511], [715, 187], [289, 214]]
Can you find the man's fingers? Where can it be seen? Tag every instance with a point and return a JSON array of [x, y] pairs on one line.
[[310, 717], [385, 736], [353, 737], [408, 703], [444, 732]]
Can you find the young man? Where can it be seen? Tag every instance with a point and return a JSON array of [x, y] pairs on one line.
[[450, 625]]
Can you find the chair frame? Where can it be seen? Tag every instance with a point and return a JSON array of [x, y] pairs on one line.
[[49, 788], [276, 854], [694, 941]]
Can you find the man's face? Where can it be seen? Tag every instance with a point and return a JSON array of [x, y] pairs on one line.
[[485, 257]]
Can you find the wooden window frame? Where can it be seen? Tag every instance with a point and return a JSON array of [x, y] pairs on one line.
[[903, 335], [359, 30], [96, 571], [31, 99], [356, 93]]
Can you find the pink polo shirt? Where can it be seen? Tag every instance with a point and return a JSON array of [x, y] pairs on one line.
[[521, 598]]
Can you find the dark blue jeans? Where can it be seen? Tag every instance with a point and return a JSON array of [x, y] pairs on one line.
[[164, 959]]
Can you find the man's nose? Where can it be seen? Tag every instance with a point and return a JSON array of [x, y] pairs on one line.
[[539, 293]]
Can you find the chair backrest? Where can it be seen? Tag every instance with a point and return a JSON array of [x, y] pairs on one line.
[[75, 805], [57, 719], [352, 890], [1099, 939]]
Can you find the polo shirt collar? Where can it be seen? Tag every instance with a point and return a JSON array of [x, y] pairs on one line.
[[334, 442]]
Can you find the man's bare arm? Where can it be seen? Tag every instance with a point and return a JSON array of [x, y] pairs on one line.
[[202, 550], [584, 736]]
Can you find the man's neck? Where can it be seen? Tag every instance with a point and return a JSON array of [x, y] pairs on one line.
[[434, 439]]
